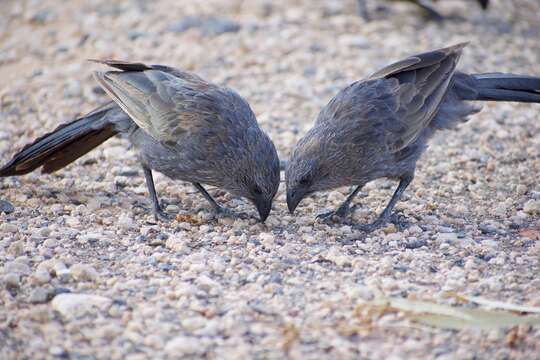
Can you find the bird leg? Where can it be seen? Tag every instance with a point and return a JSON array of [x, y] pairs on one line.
[[159, 214], [430, 11], [343, 209], [362, 10], [218, 209], [387, 214]]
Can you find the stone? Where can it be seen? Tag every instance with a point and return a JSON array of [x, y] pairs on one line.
[[125, 222], [17, 267], [77, 305], [6, 207], [38, 295], [41, 276], [83, 272], [8, 228], [58, 351], [210, 26], [267, 240], [205, 283], [193, 323], [114, 152], [415, 229], [184, 345], [50, 243], [12, 280], [532, 207], [447, 237], [89, 238], [394, 236]]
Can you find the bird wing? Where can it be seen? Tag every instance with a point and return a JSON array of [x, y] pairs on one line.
[[164, 102], [418, 85]]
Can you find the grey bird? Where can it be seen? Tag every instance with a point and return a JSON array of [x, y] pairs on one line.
[[379, 127], [180, 125], [424, 5]]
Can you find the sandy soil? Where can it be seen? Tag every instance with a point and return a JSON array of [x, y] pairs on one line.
[[86, 273]]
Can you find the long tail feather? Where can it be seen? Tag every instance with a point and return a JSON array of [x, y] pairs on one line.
[[63, 145], [499, 87]]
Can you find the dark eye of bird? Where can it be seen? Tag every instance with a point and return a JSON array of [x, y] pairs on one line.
[[304, 181], [257, 190]]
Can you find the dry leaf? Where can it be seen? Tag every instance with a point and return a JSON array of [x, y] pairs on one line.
[[457, 317], [290, 334], [188, 219], [477, 319], [499, 304]]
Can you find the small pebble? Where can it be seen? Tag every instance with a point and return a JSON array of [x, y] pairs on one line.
[[38, 295], [76, 305], [83, 272], [41, 276], [532, 207], [184, 346], [6, 207], [12, 280], [447, 237], [8, 228]]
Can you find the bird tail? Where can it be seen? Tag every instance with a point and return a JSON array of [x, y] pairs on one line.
[[501, 87], [64, 144]]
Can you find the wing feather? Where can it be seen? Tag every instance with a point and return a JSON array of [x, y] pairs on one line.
[[163, 101]]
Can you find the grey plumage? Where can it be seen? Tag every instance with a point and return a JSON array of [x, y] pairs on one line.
[[379, 127], [181, 125]]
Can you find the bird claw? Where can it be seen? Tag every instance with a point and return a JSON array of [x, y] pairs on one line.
[[340, 213], [161, 215], [398, 219], [221, 211], [367, 228], [327, 216], [139, 205]]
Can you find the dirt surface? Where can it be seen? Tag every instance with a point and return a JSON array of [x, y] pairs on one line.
[[85, 271]]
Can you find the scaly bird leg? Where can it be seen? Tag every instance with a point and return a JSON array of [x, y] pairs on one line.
[[218, 209], [343, 209], [159, 214], [387, 215]]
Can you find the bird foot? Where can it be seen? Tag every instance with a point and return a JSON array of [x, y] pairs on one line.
[[398, 219], [340, 213], [141, 206], [161, 215], [367, 228], [223, 212]]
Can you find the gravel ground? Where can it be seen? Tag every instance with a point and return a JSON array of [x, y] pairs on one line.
[[87, 273]]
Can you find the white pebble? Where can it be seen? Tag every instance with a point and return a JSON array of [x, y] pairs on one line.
[[8, 227], [83, 272], [184, 345], [447, 237], [532, 207], [76, 305]]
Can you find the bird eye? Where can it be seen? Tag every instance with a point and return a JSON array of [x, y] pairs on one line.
[[304, 181], [257, 190]]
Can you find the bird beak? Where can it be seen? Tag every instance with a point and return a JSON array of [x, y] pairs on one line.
[[263, 207], [293, 199]]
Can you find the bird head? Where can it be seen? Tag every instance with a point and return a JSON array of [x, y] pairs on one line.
[[308, 170], [256, 173]]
